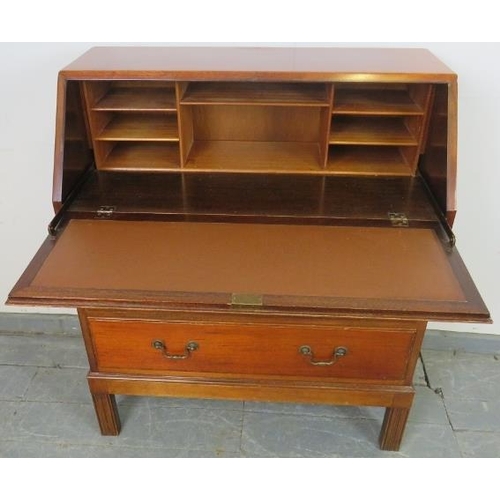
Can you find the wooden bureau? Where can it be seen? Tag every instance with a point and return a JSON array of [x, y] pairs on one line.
[[255, 224]]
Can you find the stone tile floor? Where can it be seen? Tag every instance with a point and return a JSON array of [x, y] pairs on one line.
[[45, 411]]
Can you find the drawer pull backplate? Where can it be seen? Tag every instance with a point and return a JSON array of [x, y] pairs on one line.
[[190, 347], [338, 353]]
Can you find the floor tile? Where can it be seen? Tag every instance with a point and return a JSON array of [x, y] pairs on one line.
[[43, 350], [53, 422], [9, 419], [479, 444], [474, 415], [66, 385], [180, 428], [285, 435], [71, 325], [142, 427], [31, 323], [14, 381], [442, 340], [428, 408], [464, 375], [42, 449], [428, 441], [273, 435]]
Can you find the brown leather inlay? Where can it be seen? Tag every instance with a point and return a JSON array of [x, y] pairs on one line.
[[383, 263]]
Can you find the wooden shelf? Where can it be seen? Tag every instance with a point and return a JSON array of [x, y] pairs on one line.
[[375, 102], [243, 156], [282, 128], [350, 160], [269, 94], [138, 127], [371, 131], [142, 99], [145, 156]]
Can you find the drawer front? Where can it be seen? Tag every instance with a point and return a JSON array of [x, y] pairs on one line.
[[156, 347]]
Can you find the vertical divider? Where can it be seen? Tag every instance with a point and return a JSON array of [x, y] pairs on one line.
[[86, 117], [427, 118], [185, 123], [185, 143], [326, 122], [422, 95], [92, 92]]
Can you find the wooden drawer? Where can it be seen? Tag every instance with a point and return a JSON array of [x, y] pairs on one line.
[[156, 347]]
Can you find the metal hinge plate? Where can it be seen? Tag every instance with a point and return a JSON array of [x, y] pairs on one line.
[[247, 300], [398, 219], [105, 212]]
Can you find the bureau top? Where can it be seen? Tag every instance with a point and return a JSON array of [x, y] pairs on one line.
[[265, 64]]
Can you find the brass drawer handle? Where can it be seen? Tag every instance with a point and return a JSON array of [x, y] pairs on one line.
[[190, 347], [338, 353]]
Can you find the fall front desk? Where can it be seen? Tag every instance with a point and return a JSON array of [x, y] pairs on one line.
[[270, 224]]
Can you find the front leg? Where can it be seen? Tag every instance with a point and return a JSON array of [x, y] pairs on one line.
[[393, 427], [107, 414]]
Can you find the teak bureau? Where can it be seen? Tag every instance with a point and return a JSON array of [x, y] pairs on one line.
[[262, 224]]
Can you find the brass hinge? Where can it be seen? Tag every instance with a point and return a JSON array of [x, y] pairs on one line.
[[105, 212], [398, 219], [247, 299]]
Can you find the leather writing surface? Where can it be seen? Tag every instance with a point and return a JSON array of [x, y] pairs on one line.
[[268, 259]]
